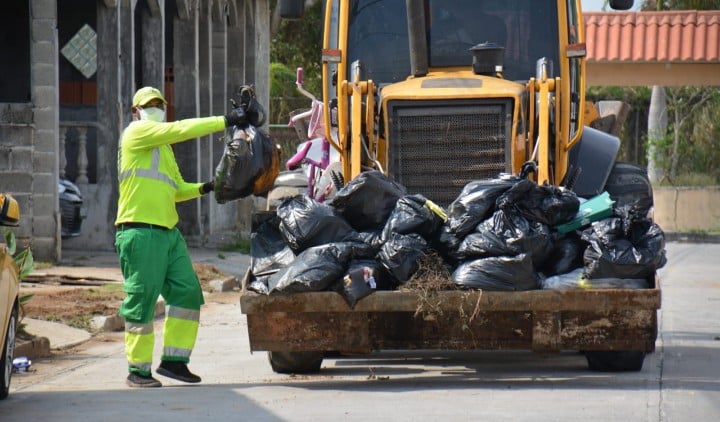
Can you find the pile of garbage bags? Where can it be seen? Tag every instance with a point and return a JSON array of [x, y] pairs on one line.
[[498, 235]]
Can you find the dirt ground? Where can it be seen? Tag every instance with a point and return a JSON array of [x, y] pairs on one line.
[[75, 301]]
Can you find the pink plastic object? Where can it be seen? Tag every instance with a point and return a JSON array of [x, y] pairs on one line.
[[296, 160]]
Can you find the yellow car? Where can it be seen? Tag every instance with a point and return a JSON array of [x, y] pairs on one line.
[[9, 295]]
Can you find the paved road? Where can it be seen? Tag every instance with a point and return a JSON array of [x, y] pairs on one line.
[[679, 382]]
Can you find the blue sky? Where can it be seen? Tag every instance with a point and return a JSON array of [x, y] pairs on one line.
[[596, 5]]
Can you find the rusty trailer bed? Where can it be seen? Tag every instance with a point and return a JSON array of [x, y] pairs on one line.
[[540, 320]]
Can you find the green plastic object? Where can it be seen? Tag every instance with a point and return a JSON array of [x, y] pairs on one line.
[[594, 209]]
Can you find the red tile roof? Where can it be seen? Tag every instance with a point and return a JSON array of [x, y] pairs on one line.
[[672, 36]]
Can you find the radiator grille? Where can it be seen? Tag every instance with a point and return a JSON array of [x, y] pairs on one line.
[[436, 148]]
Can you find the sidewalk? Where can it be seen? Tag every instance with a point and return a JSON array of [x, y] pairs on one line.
[[103, 265]]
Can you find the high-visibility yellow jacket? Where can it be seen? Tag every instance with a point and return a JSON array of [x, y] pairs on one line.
[[149, 177]]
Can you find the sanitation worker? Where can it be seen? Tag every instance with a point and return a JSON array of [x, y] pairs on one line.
[[153, 254]]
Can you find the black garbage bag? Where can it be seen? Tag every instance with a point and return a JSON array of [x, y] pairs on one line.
[[502, 273], [476, 203], [315, 269], [627, 247], [401, 253], [447, 243], [566, 255], [249, 165], [304, 223], [363, 277], [508, 234], [547, 204], [367, 200], [412, 216], [268, 250]]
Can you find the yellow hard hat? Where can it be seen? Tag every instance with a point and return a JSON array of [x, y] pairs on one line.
[[9, 210], [145, 94]]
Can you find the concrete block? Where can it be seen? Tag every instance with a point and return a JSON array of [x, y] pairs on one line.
[[45, 96], [45, 202], [46, 140], [14, 136], [41, 31], [45, 160], [117, 323], [226, 284], [45, 249], [22, 160], [43, 9], [38, 347], [44, 74], [43, 52], [17, 113], [44, 182], [44, 223], [17, 182]]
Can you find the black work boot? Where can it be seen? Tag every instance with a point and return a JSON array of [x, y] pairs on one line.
[[178, 371], [136, 380]]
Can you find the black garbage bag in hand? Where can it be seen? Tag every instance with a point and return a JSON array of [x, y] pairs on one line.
[[476, 203], [547, 204], [305, 222], [249, 165], [314, 270], [502, 273], [367, 200]]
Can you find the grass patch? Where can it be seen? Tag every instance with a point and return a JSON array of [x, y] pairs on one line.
[[240, 244], [690, 179]]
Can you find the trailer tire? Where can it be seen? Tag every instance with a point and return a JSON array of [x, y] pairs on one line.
[[615, 361], [295, 362]]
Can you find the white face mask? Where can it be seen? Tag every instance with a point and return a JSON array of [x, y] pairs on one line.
[[152, 113]]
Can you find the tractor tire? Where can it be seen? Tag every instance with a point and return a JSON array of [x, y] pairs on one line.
[[6, 355], [615, 361], [295, 362], [628, 184]]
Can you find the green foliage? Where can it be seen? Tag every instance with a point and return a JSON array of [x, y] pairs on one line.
[[23, 260], [299, 44]]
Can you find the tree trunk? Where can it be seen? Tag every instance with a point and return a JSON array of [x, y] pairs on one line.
[[657, 129]]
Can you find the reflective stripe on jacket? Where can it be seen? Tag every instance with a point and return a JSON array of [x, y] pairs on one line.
[[148, 175]]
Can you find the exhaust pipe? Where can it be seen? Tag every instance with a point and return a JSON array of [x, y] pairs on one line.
[[416, 37]]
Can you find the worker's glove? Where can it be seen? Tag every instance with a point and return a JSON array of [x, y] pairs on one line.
[[207, 187], [236, 117], [254, 111]]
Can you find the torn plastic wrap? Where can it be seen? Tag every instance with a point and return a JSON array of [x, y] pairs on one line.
[[249, 165], [476, 203], [498, 274], [367, 200], [575, 280], [304, 223], [313, 270], [547, 204]]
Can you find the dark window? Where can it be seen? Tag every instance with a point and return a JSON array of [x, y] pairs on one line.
[[15, 51]]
